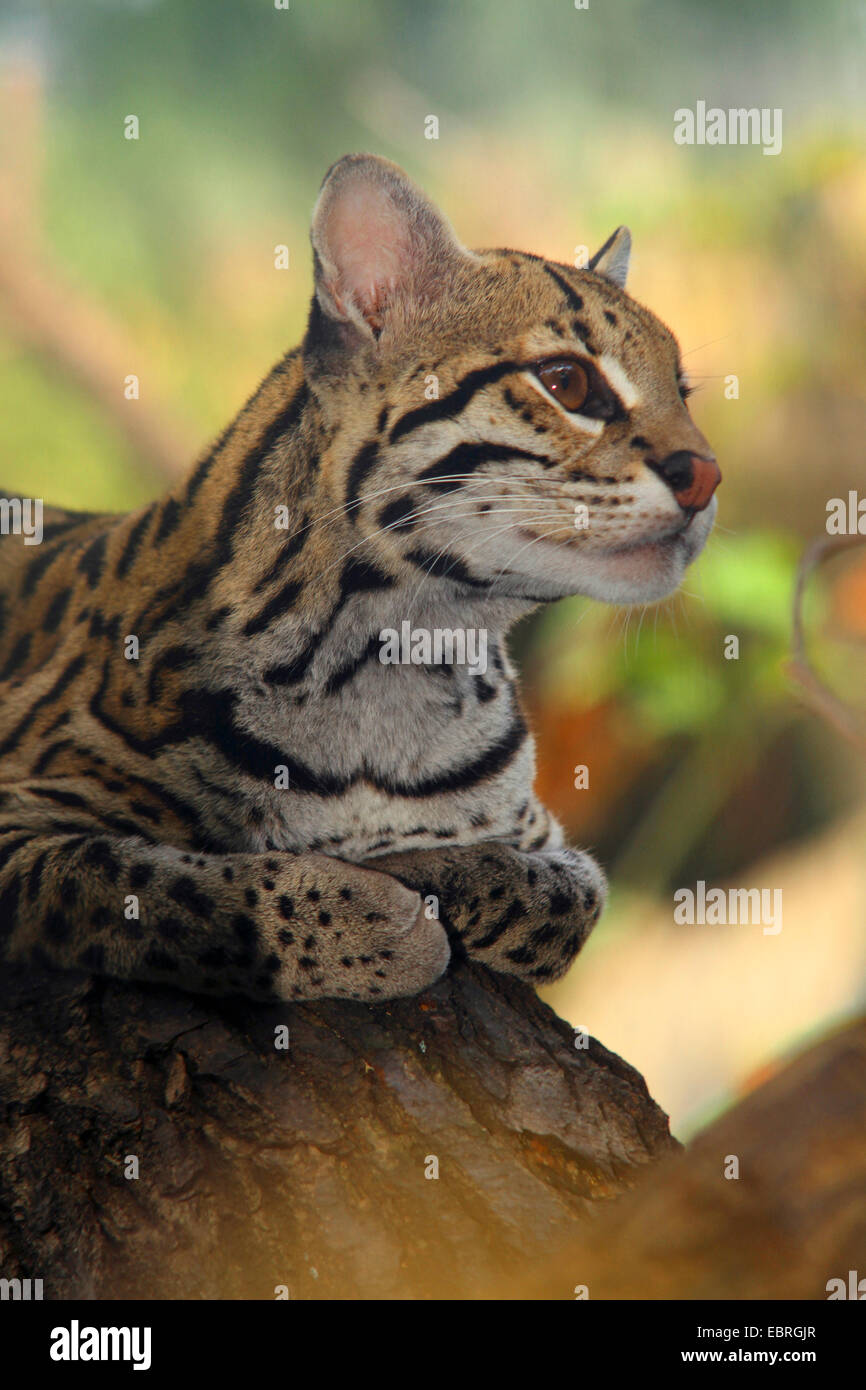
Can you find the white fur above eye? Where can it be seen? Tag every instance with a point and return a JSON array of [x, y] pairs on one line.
[[618, 381]]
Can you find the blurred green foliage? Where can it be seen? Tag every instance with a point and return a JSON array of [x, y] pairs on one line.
[[674, 678]]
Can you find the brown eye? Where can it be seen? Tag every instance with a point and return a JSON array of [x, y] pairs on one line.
[[566, 381]]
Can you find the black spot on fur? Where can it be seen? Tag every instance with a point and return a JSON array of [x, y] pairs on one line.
[[396, 514], [560, 903], [245, 929], [543, 935], [522, 955], [217, 617], [98, 854], [140, 875], [186, 893]]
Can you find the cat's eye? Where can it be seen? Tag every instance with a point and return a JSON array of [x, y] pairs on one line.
[[566, 381]]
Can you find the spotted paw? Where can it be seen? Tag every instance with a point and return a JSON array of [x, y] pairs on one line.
[[523, 912], [368, 938]]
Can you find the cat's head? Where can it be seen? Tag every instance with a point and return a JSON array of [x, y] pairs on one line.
[[498, 418]]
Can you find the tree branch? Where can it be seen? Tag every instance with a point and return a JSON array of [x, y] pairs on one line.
[[304, 1168]]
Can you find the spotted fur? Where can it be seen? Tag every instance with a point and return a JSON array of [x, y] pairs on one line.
[[428, 475]]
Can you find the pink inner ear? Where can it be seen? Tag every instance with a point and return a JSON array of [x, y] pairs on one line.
[[368, 244]]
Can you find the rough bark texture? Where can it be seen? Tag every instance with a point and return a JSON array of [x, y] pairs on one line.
[[794, 1219], [261, 1167]]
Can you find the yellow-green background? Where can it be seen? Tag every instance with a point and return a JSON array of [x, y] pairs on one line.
[[156, 257]]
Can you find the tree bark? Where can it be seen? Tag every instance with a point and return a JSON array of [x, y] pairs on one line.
[[783, 1223], [306, 1169]]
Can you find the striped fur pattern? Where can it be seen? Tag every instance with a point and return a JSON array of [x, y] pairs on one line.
[[254, 802]]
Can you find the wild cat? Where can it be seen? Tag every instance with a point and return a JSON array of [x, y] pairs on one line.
[[209, 776]]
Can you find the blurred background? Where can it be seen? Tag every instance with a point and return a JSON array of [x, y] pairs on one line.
[[156, 257]]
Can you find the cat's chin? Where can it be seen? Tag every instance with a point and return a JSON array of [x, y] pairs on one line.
[[641, 572], [650, 570]]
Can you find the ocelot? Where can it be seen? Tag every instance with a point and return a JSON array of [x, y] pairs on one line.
[[208, 776]]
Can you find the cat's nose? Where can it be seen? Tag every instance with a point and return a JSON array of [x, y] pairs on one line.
[[692, 478]]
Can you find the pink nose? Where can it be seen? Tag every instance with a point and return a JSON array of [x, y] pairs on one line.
[[691, 478], [706, 476]]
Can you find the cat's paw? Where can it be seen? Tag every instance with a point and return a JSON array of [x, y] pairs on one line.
[[410, 960], [534, 911], [523, 912], [369, 939]]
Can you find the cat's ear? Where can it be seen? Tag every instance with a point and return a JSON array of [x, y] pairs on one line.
[[378, 242], [611, 260]]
